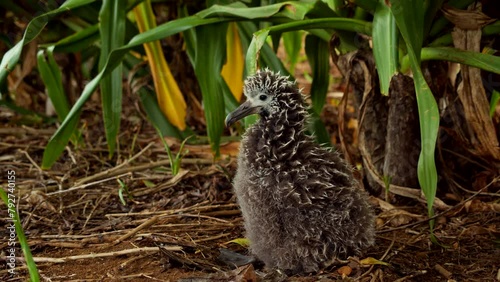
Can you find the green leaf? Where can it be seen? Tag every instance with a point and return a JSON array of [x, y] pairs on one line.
[[409, 16], [251, 59], [479, 60], [210, 53], [294, 10], [260, 36], [16, 221], [385, 45], [60, 138], [34, 27], [317, 51], [189, 36], [51, 77], [318, 54], [112, 30], [495, 97], [318, 129], [373, 261], [293, 43], [338, 6], [368, 5], [431, 8], [445, 40], [348, 40], [267, 54], [79, 40]]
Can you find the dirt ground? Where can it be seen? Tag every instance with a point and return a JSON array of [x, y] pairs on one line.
[[172, 228]]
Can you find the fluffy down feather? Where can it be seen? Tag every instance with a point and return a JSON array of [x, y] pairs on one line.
[[301, 206]]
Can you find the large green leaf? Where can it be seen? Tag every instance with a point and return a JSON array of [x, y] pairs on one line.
[[34, 27], [385, 45], [368, 5], [479, 60], [79, 40], [112, 30], [295, 10], [318, 54], [260, 36], [431, 7], [189, 35], [445, 40], [51, 77], [267, 54], [292, 42], [61, 137], [210, 54], [409, 17]]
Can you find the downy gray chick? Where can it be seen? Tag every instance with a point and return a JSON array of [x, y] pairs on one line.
[[301, 206]]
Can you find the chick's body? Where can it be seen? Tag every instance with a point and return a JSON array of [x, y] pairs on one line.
[[301, 206]]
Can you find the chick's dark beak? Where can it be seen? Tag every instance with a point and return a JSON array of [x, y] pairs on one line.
[[242, 111]]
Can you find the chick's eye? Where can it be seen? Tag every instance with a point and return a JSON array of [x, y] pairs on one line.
[[262, 97]]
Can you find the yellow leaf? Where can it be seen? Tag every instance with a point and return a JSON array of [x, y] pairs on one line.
[[244, 242], [169, 96], [232, 71], [372, 261]]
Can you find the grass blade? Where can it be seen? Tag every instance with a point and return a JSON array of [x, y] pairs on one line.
[[11, 207], [112, 30], [385, 45]]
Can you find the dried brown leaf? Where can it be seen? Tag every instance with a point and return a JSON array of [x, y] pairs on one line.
[[480, 128], [464, 19]]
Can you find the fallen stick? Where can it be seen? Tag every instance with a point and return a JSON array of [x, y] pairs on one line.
[[103, 255]]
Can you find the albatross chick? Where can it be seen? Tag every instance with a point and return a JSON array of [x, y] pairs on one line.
[[301, 206]]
